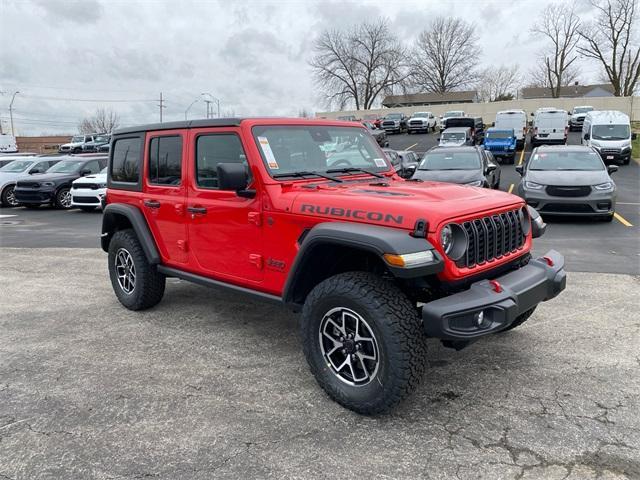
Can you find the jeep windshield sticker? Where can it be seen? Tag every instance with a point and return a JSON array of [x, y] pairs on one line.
[[380, 162], [348, 213], [268, 153]]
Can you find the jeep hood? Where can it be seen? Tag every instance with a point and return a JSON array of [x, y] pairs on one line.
[[399, 204]]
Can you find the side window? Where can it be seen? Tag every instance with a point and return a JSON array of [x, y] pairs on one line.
[[93, 166], [165, 160], [125, 163], [212, 150]]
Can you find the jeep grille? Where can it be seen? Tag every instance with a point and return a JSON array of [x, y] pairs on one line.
[[492, 237]]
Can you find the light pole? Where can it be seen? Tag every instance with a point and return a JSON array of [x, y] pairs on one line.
[[214, 100], [11, 111], [189, 107]]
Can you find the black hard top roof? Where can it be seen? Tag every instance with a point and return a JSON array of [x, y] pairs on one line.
[[211, 122]]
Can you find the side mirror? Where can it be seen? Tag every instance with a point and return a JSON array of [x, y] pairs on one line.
[[519, 169], [612, 169], [438, 139], [634, 136], [531, 114], [587, 136], [407, 172], [234, 176], [491, 168], [84, 172], [34, 170], [493, 124]]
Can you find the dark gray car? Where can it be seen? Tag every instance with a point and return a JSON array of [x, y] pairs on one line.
[[568, 180], [464, 165]]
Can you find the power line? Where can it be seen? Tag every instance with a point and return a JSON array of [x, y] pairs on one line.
[[94, 100]]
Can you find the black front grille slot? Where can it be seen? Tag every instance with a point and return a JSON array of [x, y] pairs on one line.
[[492, 237], [561, 191]]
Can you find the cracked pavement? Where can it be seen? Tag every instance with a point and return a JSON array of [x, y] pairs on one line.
[[210, 384]]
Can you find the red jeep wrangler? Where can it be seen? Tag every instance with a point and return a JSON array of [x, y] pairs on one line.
[[309, 214]]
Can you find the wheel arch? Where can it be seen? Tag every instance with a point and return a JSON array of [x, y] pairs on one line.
[[337, 247], [118, 216]]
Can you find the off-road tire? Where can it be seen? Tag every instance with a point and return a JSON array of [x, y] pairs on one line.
[[149, 283], [4, 198], [520, 319], [87, 209], [397, 328]]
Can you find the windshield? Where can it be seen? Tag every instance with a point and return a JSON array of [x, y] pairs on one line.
[[452, 114], [77, 139], [16, 166], [421, 115], [104, 170], [566, 161], [611, 132], [499, 134], [582, 109], [66, 166], [453, 137], [289, 149], [450, 161], [394, 116]]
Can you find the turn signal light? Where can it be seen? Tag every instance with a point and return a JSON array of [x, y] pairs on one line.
[[409, 259]]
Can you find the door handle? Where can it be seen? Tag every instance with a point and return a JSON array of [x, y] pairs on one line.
[[197, 210], [151, 204]]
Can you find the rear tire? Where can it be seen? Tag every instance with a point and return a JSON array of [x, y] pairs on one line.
[[361, 318], [137, 284], [63, 199], [520, 319]]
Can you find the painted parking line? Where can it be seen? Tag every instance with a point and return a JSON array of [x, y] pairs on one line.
[[7, 216], [409, 148], [511, 188], [622, 220], [521, 157]]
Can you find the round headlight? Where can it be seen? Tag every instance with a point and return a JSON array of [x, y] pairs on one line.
[[446, 238]]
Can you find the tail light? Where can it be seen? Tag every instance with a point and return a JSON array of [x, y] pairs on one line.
[[566, 131], [535, 131]]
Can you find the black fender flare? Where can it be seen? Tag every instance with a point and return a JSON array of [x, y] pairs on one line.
[[370, 238], [135, 217]]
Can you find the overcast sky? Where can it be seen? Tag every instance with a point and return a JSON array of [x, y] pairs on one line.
[[252, 55]]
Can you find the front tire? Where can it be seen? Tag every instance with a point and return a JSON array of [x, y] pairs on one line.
[[8, 198], [137, 284], [363, 341], [63, 199]]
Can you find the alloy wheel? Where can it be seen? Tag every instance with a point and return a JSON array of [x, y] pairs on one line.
[[349, 346], [11, 197], [125, 271], [65, 199]]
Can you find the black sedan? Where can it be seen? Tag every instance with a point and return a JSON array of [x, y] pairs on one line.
[[53, 186], [464, 165]]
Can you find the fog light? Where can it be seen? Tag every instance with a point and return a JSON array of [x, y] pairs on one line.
[[479, 319]]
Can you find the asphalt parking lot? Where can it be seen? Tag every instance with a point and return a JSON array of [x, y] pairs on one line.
[[209, 384]]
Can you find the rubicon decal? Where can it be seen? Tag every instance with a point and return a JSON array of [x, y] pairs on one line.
[[348, 213]]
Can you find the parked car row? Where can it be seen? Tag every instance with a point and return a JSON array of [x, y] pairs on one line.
[[51, 180], [95, 142]]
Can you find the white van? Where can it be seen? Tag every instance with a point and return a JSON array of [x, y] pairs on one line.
[[609, 132], [516, 119], [550, 125], [8, 143]]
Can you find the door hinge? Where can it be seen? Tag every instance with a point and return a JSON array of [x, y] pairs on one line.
[[256, 259], [182, 245], [255, 218]]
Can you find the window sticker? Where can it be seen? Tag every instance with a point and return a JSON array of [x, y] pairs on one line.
[[268, 153], [380, 162]]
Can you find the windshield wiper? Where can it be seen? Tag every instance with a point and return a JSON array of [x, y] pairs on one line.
[[354, 169], [306, 174]]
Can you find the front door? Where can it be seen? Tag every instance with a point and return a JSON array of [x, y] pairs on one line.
[[165, 194], [225, 230]]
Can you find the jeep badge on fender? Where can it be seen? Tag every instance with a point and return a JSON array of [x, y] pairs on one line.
[[309, 214]]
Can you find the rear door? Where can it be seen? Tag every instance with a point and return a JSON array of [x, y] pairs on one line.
[[165, 194], [551, 125], [225, 230]]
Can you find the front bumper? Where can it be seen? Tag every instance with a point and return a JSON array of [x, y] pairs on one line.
[[33, 197], [456, 317], [82, 197], [614, 157], [596, 203], [417, 127]]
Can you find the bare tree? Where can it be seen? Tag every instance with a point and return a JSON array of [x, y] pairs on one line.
[[357, 65], [103, 121], [559, 26], [611, 40], [304, 113], [499, 83], [445, 56], [537, 76]]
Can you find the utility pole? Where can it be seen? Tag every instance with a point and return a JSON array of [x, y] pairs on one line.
[[11, 111], [161, 105], [213, 100]]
